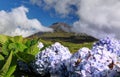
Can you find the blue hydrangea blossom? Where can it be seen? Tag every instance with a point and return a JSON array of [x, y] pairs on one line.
[[51, 58], [101, 61]]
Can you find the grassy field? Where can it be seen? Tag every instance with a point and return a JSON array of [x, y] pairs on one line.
[[73, 47]]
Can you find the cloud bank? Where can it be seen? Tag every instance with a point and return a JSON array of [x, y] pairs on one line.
[[98, 18], [16, 22]]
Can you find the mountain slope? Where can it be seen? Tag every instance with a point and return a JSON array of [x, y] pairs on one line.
[[69, 39], [65, 37], [62, 32]]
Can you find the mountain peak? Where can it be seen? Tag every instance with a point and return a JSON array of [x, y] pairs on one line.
[[60, 26]]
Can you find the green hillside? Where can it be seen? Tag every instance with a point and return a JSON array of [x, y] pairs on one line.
[[71, 40]]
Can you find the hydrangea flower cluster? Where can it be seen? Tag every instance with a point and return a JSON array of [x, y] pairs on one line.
[[78, 63], [103, 60], [50, 59], [111, 44]]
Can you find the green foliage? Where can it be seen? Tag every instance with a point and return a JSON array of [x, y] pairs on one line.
[[13, 49], [16, 39], [1, 61], [12, 67], [5, 49], [17, 46], [25, 57], [5, 68], [33, 50], [1, 57]]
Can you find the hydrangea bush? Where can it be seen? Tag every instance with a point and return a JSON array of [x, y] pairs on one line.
[[103, 60]]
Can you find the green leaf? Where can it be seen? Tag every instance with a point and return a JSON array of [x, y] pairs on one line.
[[29, 54], [33, 50], [28, 43], [1, 57], [11, 71], [3, 39], [12, 67], [25, 57], [1, 61], [12, 76], [16, 39], [5, 50], [12, 46], [34, 41], [17, 46], [6, 66], [19, 57]]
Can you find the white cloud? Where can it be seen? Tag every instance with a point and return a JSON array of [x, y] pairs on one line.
[[62, 7], [16, 22], [96, 17], [99, 17]]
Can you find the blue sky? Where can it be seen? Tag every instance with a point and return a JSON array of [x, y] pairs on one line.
[[46, 17]]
